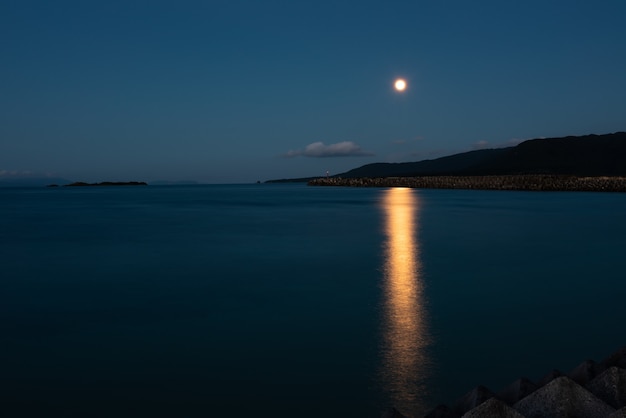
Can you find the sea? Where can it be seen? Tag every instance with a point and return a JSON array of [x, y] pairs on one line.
[[287, 300]]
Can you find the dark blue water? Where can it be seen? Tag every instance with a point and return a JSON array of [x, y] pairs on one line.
[[297, 301]]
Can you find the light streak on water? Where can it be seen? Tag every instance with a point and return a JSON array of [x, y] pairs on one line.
[[405, 334]]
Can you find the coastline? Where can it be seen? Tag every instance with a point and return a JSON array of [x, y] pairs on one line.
[[525, 182]]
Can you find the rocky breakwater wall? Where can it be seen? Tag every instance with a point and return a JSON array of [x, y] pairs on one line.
[[591, 390], [509, 182]]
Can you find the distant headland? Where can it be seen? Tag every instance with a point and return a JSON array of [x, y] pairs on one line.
[[590, 163]]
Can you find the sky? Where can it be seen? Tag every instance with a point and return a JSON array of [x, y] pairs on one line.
[[243, 91]]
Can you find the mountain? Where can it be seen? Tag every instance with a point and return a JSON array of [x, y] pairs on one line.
[[589, 155], [452, 164]]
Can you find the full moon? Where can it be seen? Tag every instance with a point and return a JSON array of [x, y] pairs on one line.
[[400, 85]]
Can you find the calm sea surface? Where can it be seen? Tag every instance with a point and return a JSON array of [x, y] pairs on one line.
[[287, 300]]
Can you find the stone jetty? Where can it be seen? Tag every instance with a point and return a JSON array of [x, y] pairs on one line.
[[530, 182], [591, 390]]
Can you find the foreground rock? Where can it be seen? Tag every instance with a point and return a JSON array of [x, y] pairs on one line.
[[591, 390], [493, 408], [563, 397]]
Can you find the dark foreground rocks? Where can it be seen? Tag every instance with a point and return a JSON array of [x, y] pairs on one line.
[[509, 182], [590, 390]]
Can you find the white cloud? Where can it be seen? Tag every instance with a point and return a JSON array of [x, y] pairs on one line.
[[321, 150]]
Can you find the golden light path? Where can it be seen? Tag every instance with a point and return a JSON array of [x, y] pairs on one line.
[[405, 338]]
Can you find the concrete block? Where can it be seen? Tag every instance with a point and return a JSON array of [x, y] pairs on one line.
[[549, 377], [442, 411], [493, 408], [610, 386], [563, 398], [617, 359], [517, 390], [585, 372], [472, 399]]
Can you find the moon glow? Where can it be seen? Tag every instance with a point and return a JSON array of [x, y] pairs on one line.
[[399, 85]]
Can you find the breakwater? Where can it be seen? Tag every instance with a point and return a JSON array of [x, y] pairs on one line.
[[508, 182], [591, 390]]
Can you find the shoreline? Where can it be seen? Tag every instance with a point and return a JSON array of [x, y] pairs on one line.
[[529, 182]]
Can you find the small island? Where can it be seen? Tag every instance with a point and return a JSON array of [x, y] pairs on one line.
[[107, 183]]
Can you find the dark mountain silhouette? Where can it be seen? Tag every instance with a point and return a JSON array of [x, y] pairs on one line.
[[453, 164], [589, 155]]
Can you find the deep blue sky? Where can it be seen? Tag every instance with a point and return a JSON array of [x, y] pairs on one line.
[[237, 91]]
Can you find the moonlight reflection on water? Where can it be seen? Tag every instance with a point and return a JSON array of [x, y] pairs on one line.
[[404, 334]]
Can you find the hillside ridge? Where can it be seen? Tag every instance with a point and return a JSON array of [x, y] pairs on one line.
[[587, 155]]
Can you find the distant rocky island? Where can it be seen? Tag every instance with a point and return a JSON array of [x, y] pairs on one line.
[[106, 183]]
